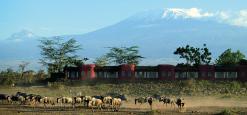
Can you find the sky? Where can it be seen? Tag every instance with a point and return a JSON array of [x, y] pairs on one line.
[[60, 17]]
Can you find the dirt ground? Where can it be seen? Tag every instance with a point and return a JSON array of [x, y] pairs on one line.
[[194, 105]]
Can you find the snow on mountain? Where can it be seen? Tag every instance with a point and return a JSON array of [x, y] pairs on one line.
[[185, 13], [22, 35]]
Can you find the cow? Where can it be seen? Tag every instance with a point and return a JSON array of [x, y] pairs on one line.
[[3, 97], [47, 100], [107, 101], [65, 100], [166, 100], [180, 103], [86, 100], [18, 98], [116, 103], [150, 102], [77, 100], [95, 103]]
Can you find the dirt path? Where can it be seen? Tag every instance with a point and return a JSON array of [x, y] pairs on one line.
[[194, 105], [24, 110]]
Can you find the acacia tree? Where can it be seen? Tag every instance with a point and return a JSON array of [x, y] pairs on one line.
[[230, 58], [124, 55], [56, 53], [194, 56], [102, 61]]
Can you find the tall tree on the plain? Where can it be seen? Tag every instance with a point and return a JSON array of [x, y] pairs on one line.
[[56, 53], [124, 55], [193, 55], [230, 58], [22, 67]]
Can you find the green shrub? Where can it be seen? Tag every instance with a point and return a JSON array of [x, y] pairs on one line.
[[7, 81]]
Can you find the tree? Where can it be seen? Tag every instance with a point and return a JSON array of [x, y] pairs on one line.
[[40, 74], [230, 58], [124, 55], [22, 67], [194, 56], [56, 53], [102, 61]]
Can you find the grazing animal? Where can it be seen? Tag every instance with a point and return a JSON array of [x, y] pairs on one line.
[[65, 100], [140, 100], [47, 100], [116, 103], [167, 100], [180, 103], [150, 102], [3, 97], [77, 100], [95, 103], [15, 98], [107, 101], [86, 100]]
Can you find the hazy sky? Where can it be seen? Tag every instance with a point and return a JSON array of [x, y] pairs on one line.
[[58, 17]]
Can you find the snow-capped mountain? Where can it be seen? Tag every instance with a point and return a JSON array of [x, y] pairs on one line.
[[22, 35], [157, 32]]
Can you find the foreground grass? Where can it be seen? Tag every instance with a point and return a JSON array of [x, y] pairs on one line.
[[222, 89]]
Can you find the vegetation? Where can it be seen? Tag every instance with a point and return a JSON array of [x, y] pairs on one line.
[[194, 56], [230, 58], [124, 55], [56, 53], [9, 77], [102, 61]]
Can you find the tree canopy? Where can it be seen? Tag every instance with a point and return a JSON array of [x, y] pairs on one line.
[[228, 57], [193, 55], [56, 53], [124, 55], [102, 61]]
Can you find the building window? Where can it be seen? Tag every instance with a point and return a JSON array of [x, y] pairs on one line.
[[140, 74], [151, 75], [192, 74], [166, 74], [180, 75], [232, 75], [220, 74]]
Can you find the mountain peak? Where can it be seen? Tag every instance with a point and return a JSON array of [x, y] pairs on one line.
[[22, 35]]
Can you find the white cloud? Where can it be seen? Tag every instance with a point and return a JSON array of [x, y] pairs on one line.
[[241, 19], [186, 13], [224, 15]]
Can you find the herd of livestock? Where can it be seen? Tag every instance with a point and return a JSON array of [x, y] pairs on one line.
[[101, 102]]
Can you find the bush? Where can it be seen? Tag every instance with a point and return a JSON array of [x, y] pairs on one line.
[[7, 81]]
